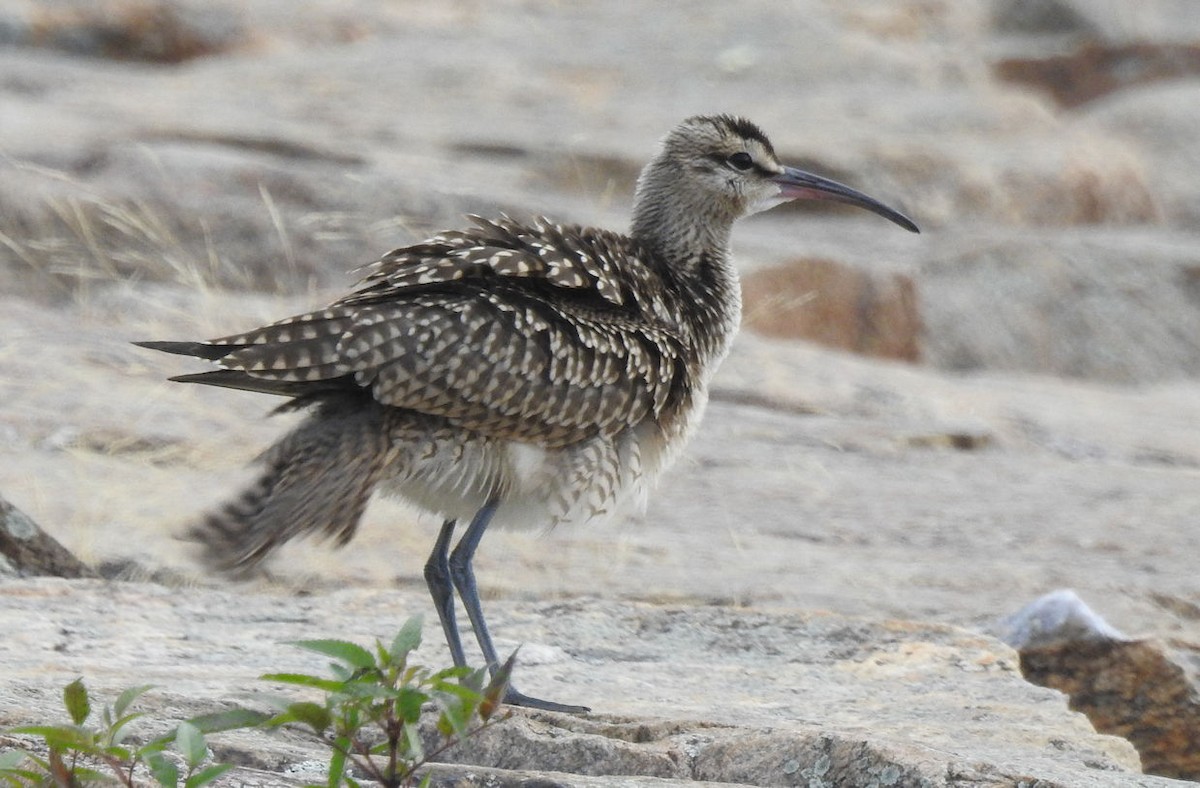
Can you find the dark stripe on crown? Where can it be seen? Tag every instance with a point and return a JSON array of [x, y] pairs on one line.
[[741, 127]]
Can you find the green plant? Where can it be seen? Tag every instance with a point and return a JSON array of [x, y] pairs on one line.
[[80, 754], [372, 710], [370, 719]]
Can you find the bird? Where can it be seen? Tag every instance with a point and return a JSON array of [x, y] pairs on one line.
[[506, 374]]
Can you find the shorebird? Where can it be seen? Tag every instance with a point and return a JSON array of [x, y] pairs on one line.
[[509, 373]]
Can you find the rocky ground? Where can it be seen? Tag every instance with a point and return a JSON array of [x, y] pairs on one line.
[[916, 436]]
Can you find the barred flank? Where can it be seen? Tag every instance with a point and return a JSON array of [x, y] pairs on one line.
[[317, 479]]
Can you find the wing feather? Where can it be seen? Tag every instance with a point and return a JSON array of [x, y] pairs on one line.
[[530, 332]]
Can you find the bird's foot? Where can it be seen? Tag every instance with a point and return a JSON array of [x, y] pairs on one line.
[[514, 697]]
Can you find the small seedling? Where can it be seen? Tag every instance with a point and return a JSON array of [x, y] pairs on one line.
[[372, 709], [79, 754], [370, 719]]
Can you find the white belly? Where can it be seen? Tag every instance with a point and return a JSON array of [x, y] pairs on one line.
[[453, 473]]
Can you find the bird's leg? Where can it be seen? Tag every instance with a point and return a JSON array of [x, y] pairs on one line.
[[463, 575], [437, 578]]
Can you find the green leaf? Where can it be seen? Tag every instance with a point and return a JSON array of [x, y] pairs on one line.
[[454, 673], [11, 771], [344, 650], [303, 680], [369, 688], [337, 764], [215, 722], [448, 723], [75, 696], [117, 751], [407, 640], [457, 693], [42, 763], [229, 720], [156, 745], [10, 759], [414, 749], [314, 715], [207, 775], [128, 696], [116, 730], [277, 702], [19, 778], [349, 718], [190, 743], [493, 693], [63, 737], [473, 681], [343, 673], [38, 730], [408, 705], [163, 769]]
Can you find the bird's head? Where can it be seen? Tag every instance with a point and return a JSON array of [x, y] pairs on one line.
[[724, 167]]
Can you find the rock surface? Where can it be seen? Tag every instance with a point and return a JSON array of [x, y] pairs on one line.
[[711, 693], [25, 549], [838, 306], [186, 168], [1143, 690]]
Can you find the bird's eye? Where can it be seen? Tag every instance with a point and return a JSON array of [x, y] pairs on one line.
[[741, 161]]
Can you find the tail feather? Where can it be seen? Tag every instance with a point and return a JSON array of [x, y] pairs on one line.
[[203, 350], [317, 479], [236, 379]]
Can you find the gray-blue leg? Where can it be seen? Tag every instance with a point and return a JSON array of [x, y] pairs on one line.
[[437, 578], [463, 576]]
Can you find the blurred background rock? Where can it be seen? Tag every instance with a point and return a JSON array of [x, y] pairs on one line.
[[938, 427], [1046, 146], [184, 168]]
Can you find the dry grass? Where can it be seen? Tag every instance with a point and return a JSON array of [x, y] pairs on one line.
[[72, 244], [63, 239]]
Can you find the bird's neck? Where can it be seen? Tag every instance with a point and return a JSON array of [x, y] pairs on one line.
[[690, 241], [678, 224]]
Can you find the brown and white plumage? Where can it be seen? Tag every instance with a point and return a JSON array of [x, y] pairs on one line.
[[509, 373], [519, 332]]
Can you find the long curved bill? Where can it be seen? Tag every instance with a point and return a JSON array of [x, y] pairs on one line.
[[797, 184]]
